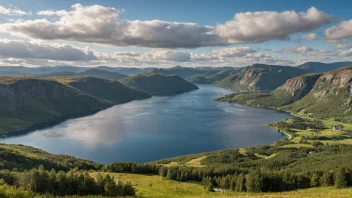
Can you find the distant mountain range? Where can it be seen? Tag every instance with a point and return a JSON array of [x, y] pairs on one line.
[[322, 67]]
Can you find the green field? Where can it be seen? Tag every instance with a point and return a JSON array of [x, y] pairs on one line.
[[156, 186]]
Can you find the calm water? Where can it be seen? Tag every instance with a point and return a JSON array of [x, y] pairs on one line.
[[159, 127]]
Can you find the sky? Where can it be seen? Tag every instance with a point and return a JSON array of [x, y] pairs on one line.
[[166, 33]]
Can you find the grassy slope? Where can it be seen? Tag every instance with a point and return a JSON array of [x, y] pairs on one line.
[[26, 157], [157, 84], [156, 186]]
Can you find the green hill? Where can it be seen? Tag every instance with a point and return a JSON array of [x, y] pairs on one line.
[[28, 103], [293, 90], [112, 91], [259, 78], [157, 84], [210, 77], [183, 72]]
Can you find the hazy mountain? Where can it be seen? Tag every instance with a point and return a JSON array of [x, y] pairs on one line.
[[322, 67], [157, 84]]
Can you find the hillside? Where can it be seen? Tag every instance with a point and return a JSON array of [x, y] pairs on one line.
[[29, 172], [183, 72], [330, 96], [157, 84], [28, 103], [210, 77], [293, 90], [322, 67], [112, 91], [259, 78]]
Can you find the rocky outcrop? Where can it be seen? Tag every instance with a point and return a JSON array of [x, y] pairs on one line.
[[300, 86], [259, 78], [329, 97]]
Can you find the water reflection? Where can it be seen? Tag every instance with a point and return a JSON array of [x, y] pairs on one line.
[[159, 127]]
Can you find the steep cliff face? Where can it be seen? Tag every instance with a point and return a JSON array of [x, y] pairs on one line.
[[299, 86], [330, 96], [156, 84], [293, 90], [259, 78]]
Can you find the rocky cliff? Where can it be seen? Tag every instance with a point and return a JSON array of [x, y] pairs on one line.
[[330, 97], [259, 78]]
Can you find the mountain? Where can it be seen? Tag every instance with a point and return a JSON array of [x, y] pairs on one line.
[[322, 67], [157, 84], [210, 77], [293, 90], [97, 73], [28, 103], [183, 72], [102, 74], [112, 91], [259, 78], [331, 96], [123, 70]]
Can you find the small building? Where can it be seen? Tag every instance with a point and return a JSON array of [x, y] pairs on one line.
[[338, 128]]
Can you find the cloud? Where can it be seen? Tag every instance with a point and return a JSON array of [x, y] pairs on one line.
[[258, 27], [175, 56], [101, 25], [230, 52], [30, 50], [98, 24], [298, 50], [346, 52], [340, 32], [309, 37], [12, 11], [341, 46]]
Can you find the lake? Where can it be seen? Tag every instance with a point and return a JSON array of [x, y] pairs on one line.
[[159, 127]]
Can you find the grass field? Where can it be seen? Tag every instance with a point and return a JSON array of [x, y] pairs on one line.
[[156, 186]]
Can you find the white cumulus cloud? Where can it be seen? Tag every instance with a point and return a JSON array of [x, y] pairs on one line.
[[257, 27]]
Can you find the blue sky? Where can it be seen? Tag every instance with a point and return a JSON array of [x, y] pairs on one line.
[[164, 33]]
